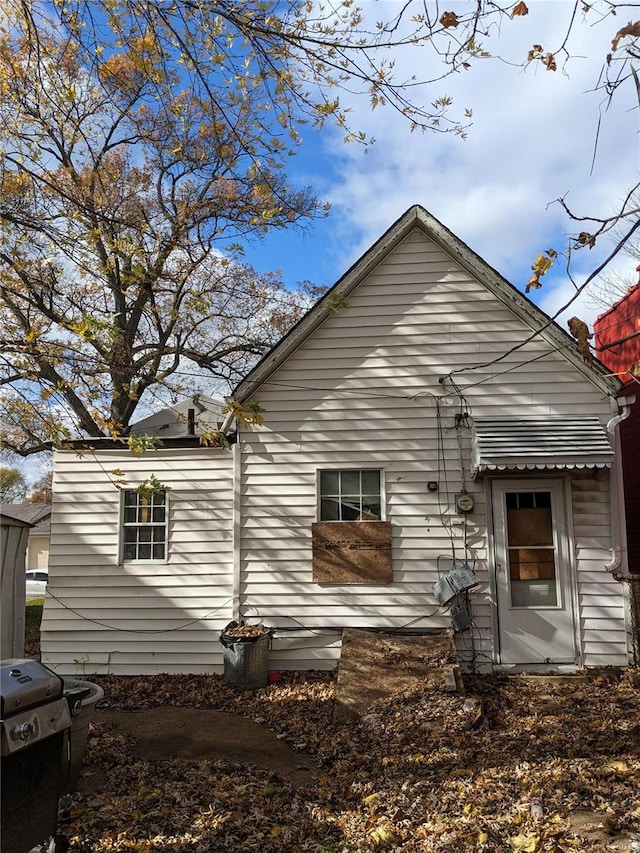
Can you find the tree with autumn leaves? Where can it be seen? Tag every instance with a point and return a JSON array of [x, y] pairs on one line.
[[143, 141], [117, 187]]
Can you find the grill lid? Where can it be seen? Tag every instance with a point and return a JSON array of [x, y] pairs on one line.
[[26, 684]]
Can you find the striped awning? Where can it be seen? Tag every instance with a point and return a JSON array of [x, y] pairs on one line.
[[503, 444]]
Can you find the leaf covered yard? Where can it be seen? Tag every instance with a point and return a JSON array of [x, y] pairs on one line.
[[422, 770]]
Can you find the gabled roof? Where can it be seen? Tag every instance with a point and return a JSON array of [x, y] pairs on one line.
[[29, 513], [174, 421], [418, 217]]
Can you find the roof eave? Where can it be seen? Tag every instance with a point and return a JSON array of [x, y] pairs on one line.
[[105, 443], [520, 304], [513, 466]]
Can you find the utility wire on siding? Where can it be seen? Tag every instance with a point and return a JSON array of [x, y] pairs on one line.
[[316, 630], [138, 630]]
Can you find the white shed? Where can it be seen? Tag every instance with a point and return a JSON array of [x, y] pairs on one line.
[[14, 535]]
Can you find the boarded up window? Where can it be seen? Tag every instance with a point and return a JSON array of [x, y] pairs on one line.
[[352, 552]]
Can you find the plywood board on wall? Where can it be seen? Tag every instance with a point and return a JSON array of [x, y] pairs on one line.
[[352, 552]]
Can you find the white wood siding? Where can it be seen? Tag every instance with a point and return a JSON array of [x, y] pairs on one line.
[[103, 616], [365, 390]]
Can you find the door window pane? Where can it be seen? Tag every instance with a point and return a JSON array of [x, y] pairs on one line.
[[531, 550]]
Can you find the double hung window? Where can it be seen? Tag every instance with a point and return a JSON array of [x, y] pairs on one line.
[[144, 534]]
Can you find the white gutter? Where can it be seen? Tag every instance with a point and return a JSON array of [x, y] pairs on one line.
[[616, 491]]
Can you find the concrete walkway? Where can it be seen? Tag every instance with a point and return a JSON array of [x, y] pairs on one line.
[[193, 734]]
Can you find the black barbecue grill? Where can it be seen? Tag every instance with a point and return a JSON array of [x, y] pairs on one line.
[[34, 719]]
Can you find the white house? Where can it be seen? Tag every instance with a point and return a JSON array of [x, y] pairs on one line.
[[434, 452]]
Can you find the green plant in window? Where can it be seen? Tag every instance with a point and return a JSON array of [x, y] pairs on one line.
[[151, 486]]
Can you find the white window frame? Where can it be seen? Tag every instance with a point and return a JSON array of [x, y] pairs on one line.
[[156, 525], [340, 470]]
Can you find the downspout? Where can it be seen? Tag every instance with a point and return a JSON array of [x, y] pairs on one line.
[[616, 490], [236, 498], [237, 532]]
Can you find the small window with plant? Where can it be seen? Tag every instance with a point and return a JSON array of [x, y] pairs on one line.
[[144, 524]]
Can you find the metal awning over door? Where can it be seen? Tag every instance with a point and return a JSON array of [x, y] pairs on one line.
[[503, 444]]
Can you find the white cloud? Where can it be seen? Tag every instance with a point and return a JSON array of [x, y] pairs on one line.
[[532, 141]]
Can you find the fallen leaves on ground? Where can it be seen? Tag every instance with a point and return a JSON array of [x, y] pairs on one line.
[[415, 774]]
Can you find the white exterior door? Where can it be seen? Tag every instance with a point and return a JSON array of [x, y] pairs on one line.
[[532, 573]]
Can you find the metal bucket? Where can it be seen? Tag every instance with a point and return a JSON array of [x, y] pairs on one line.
[[246, 660]]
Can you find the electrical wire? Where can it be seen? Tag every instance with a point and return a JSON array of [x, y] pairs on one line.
[[441, 455], [141, 630], [372, 394], [317, 631], [552, 320]]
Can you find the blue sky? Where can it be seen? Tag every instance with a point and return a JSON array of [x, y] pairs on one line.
[[531, 141]]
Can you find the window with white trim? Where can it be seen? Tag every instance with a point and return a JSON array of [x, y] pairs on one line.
[[350, 495], [144, 526]]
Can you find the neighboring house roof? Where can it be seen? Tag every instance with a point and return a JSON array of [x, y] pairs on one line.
[[418, 217], [37, 515], [173, 426], [9, 519], [176, 422]]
